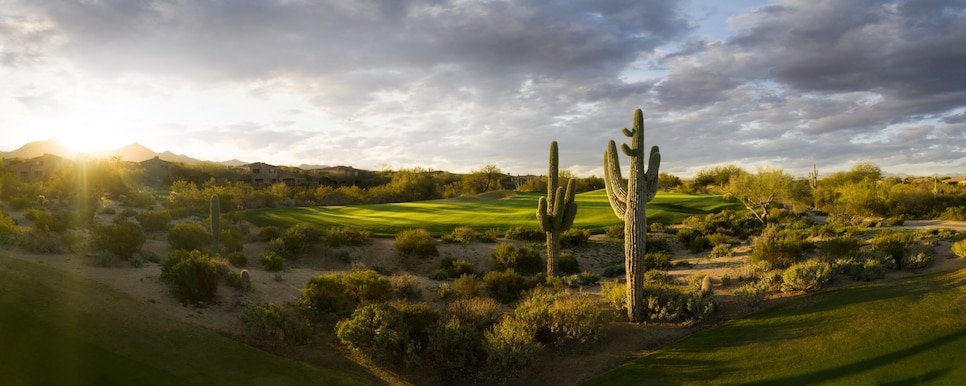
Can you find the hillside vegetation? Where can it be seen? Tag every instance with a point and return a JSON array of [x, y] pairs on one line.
[[483, 212]]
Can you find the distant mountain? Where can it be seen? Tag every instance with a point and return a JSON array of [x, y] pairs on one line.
[[234, 162], [134, 152], [39, 148], [311, 167]]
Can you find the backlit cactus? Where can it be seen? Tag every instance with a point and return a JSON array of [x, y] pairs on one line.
[[215, 219], [813, 178], [629, 200], [556, 211]]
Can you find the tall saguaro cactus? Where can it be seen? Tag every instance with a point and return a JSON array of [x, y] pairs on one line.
[[629, 201], [813, 177], [215, 219], [556, 211]]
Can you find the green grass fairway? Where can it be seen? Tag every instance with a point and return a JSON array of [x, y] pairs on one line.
[[441, 216], [896, 332], [58, 328]]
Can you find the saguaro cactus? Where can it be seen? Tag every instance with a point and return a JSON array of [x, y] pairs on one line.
[[215, 219], [629, 201], [556, 211], [813, 178]]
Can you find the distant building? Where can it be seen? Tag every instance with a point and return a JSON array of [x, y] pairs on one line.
[[38, 168], [157, 169]]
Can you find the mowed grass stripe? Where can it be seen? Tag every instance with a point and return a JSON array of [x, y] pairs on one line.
[[59, 328], [904, 331], [441, 216]]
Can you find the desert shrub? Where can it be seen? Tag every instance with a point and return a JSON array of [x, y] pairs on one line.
[[474, 313], [780, 247], [615, 292], [415, 242], [192, 275], [614, 270], [698, 244], [752, 294], [367, 286], [127, 213], [268, 233], [46, 221], [862, 269], [299, 238], [41, 241], [826, 230], [326, 293], [525, 234], [405, 286], [386, 331], [560, 316], [920, 256], [524, 260], [953, 213], [658, 277], [670, 303], [893, 245], [721, 250], [8, 230], [346, 236], [685, 235], [453, 346], [839, 247], [467, 286], [108, 211], [490, 235], [806, 276], [277, 322], [438, 274], [568, 264], [188, 236], [122, 239], [656, 227], [510, 343], [272, 262], [154, 220], [582, 279], [453, 268], [657, 243], [574, 237], [506, 286], [460, 235], [614, 232], [238, 259], [959, 248], [657, 260]]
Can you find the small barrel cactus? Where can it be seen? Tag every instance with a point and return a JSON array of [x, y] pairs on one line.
[[246, 280]]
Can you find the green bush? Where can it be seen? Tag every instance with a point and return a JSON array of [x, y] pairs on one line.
[[839, 247], [574, 237], [382, 331], [921, 256], [50, 222], [452, 346], [721, 250], [954, 213], [268, 233], [752, 294], [467, 286], [299, 238], [272, 262], [8, 230], [615, 292], [663, 302], [615, 232], [867, 269], [122, 239], [657, 260], [614, 270], [154, 220], [568, 264], [959, 248], [658, 277], [780, 247], [189, 236], [405, 286], [277, 322], [327, 293], [454, 268], [346, 236], [233, 239], [366, 286], [524, 260], [461, 235], [893, 245], [506, 286], [415, 242], [193, 275], [41, 241], [806, 276], [525, 234], [277, 246], [510, 343], [560, 316], [238, 259], [490, 235], [474, 313]]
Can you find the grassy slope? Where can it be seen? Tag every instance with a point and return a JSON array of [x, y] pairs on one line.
[[440, 216], [905, 331], [58, 328]]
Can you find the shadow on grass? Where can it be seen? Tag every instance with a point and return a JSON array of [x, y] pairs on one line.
[[871, 364]]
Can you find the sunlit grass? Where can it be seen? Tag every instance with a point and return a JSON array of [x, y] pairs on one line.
[[440, 216], [58, 328], [906, 331]]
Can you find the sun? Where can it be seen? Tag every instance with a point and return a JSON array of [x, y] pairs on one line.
[[87, 142]]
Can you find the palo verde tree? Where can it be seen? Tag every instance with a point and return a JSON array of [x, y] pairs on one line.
[[556, 211], [629, 202], [759, 191]]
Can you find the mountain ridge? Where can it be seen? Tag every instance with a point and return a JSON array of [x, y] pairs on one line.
[[134, 152]]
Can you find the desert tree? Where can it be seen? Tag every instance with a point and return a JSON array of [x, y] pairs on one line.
[[757, 192]]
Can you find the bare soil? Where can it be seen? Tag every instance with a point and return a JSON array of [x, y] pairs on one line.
[[566, 365]]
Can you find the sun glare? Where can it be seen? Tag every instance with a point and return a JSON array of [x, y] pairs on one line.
[[87, 142]]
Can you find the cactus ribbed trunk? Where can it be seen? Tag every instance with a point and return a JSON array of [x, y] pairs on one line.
[[629, 202], [215, 219], [556, 211]]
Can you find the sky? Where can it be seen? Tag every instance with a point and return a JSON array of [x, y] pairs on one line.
[[457, 85]]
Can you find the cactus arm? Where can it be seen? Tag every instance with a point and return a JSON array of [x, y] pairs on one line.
[[653, 165], [614, 184], [570, 212], [542, 216]]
